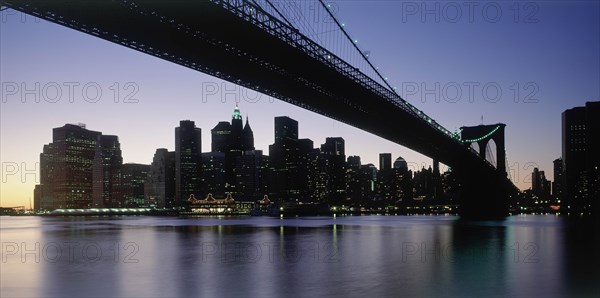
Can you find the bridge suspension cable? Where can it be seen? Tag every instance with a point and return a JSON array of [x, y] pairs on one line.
[[480, 138], [362, 54]]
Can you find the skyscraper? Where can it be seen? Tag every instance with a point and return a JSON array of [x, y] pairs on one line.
[[106, 172], [385, 177], [66, 168], [220, 137], [233, 140], [188, 161], [286, 128], [213, 173], [385, 161], [580, 131], [134, 176], [159, 188], [284, 159], [557, 184], [250, 171], [247, 137], [540, 186], [237, 131], [333, 170]]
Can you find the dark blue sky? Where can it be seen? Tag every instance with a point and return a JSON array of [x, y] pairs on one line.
[[548, 51]]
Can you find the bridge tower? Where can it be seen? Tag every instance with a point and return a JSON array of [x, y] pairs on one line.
[[484, 191], [481, 135]]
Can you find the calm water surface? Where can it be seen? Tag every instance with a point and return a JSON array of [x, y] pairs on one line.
[[355, 256]]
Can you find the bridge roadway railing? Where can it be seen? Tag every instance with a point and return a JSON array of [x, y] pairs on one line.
[[257, 16]]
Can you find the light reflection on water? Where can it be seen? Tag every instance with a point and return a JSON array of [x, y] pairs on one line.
[[265, 257]]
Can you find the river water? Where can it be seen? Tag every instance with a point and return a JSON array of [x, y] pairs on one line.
[[352, 256]]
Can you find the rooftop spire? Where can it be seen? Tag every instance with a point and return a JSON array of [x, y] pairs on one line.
[[236, 112]]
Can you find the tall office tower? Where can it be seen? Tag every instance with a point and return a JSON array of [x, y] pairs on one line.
[[213, 173], [540, 186], [233, 140], [354, 188], [159, 188], [250, 174], [333, 170], [400, 164], [284, 158], [106, 172], [43, 195], [134, 176], [220, 137], [66, 168], [188, 162], [385, 161], [247, 137], [581, 161], [286, 128], [401, 181], [557, 184], [237, 130], [384, 177]]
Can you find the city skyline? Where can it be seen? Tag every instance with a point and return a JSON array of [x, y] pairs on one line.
[[293, 169], [84, 168], [532, 138]]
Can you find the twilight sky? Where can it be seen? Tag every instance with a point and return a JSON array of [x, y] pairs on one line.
[[547, 50]]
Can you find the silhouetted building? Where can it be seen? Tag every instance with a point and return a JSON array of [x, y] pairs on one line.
[[540, 186], [37, 197], [307, 153], [213, 173], [400, 164], [159, 188], [107, 172], [133, 177], [284, 159], [251, 170], [286, 128], [423, 184], [557, 184], [237, 131], [188, 161], [247, 137], [354, 186], [220, 137], [450, 186], [385, 178], [580, 131], [385, 161], [368, 179], [233, 140], [66, 173], [401, 182], [331, 168]]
